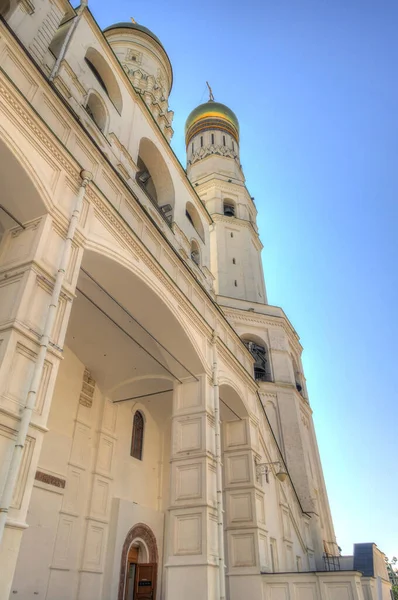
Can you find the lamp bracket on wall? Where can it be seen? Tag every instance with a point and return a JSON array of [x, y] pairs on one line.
[[263, 469]]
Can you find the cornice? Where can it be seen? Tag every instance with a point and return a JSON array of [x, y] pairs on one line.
[[244, 316]]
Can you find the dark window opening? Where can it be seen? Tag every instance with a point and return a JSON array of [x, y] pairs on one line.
[[233, 261], [137, 438], [188, 216], [232, 235], [223, 140], [233, 146], [97, 75], [262, 371], [201, 141], [192, 147], [229, 209], [236, 283], [212, 138]]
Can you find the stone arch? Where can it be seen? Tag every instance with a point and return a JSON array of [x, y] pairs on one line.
[[229, 207], [96, 109], [195, 252], [154, 177], [298, 379], [258, 348], [140, 531], [171, 346], [232, 405], [20, 179], [105, 77], [194, 218]]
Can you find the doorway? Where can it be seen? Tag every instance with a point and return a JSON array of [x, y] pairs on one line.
[[140, 581], [138, 575]]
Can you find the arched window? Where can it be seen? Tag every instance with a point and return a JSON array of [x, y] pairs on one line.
[[193, 217], [97, 111], [154, 177], [105, 77], [195, 253], [137, 437], [262, 367], [229, 208], [297, 377]]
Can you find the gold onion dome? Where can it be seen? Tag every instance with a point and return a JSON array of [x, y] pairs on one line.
[[211, 115]]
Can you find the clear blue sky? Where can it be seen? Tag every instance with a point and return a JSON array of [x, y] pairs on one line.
[[314, 84]]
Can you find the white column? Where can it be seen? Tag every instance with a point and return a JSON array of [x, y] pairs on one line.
[[30, 261], [192, 546]]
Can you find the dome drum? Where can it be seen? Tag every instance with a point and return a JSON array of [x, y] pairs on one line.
[[211, 125]]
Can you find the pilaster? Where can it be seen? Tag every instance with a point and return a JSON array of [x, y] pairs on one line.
[[192, 566], [245, 522], [29, 259]]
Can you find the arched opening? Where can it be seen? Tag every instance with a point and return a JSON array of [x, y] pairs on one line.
[[103, 73], [138, 567], [18, 183], [97, 111], [259, 351], [232, 407], [137, 436], [154, 178], [229, 208], [193, 217], [297, 377], [195, 252]]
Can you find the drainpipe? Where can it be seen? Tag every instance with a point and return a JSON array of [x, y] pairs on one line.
[[220, 511], [67, 39], [27, 411]]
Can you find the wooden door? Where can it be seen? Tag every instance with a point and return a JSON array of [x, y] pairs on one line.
[[145, 582]]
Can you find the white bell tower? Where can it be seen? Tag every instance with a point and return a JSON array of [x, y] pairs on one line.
[[212, 142]]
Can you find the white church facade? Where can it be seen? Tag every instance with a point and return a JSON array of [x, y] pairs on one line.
[[156, 436]]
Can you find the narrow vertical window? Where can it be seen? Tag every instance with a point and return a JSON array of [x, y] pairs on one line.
[[233, 146], [232, 235], [233, 261], [223, 140], [201, 141], [192, 147], [212, 138], [137, 438], [236, 283]]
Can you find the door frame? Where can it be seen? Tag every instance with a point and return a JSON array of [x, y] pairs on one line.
[[138, 532]]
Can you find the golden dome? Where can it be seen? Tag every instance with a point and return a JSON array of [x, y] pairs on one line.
[[211, 115]]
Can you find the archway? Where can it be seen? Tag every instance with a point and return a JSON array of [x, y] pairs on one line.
[[154, 177], [140, 539], [19, 182]]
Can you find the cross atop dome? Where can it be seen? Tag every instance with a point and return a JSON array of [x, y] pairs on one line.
[[211, 97]]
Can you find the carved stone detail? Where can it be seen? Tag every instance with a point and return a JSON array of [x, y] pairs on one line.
[[50, 479]]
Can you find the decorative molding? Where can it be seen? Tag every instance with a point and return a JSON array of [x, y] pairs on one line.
[[87, 391], [50, 479]]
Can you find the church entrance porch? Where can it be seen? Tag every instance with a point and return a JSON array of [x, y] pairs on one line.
[[124, 355]]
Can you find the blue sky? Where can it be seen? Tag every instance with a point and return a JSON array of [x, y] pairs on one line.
[[314, 84]]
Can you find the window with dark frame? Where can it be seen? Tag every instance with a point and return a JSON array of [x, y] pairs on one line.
[[137, 438]]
